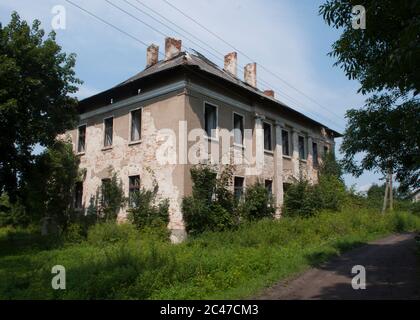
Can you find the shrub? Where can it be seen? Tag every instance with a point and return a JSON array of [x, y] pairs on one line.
[[301, 199], [332, 192], [257, 204], [110, 232], [112, 198], [211, 205], [75, 233], [145, 211], [12, 214]]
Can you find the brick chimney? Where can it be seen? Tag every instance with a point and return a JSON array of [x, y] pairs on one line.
[[231, 63], [250, 74], [172, 47], [152, 55], [269, 93]]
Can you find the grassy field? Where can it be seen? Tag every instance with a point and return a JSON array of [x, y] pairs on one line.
[[223, 265]]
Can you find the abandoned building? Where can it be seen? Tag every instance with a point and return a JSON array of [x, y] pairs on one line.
[[125, 127]]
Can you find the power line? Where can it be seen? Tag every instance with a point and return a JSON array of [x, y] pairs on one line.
[[280, 92], [245, 55], [106, 22], [153, 28]]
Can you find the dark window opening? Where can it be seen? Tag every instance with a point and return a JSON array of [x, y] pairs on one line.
[[210, 120], [285, 142], [109, 124], [81, 144], [238, 187], [326, 150], [78, 195], [238, 128], [315, 154], [135, 125], [105, 188], [269, 187], [301, 144], [268, 145]]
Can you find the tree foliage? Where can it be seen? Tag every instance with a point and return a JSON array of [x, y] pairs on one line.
[[36, 78], [385, 58]]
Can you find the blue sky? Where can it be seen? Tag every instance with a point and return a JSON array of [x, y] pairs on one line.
[[286, 37]]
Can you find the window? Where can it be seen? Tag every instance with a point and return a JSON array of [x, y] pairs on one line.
[[269, 187], [78, 195], [238, 129], [285, 142], [301, 144], [133, 187], [315, 154], [286, 186], [108, 124], [81, 143], [210, 120], [238, 187], [135, 125], [325, 150], [105, 188], [268, 145]]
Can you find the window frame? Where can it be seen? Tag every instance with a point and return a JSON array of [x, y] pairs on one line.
[[216, 137], [103, 200], [130, 188], [315, 162], [112, 133], [305, 151], [130, 123], [270, 192], [288, 142], [271, 136], [243, 128], [76, 198], [78, 138], [234, 187]]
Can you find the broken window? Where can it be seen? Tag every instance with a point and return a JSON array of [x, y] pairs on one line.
[[315, 154], [133, 188], [108, 124], [268, 144], [301, 144], [238, 187], [78, 195], [81, 143], [136, 125], [238, 129], [269, 187], [210, 120], [285, 142]]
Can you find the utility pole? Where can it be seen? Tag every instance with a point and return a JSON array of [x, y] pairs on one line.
[[391, 200], [386, 193]]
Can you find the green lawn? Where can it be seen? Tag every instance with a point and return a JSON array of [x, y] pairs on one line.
[[223, 265]]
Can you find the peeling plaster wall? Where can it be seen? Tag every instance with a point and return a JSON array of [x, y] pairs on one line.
[[138, 158]]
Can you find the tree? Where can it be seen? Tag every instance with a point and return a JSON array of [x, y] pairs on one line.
[[49, 186], [36, 78], [385, 58], [385, 55]]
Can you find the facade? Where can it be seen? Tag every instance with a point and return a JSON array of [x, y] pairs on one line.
[[184, 110]]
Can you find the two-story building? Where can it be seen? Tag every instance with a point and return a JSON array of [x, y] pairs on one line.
[[185, 110]]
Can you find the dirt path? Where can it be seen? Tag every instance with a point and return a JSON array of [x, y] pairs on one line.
[[392, 272]]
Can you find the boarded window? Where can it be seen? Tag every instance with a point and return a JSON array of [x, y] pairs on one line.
[[133, 188], [135, 125], [210, 120], [285, 142], [301, 144], [268, 143], [238, 128], [109, 126], [78, 195], [315, 154], [81, 143], [238, 187]]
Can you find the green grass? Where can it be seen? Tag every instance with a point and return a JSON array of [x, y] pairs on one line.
[[222, 265]]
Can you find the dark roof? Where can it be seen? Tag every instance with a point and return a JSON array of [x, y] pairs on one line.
[[199, 61]]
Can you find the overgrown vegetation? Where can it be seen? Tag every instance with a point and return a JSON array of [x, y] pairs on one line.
[[213, 207], [119, 262]]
